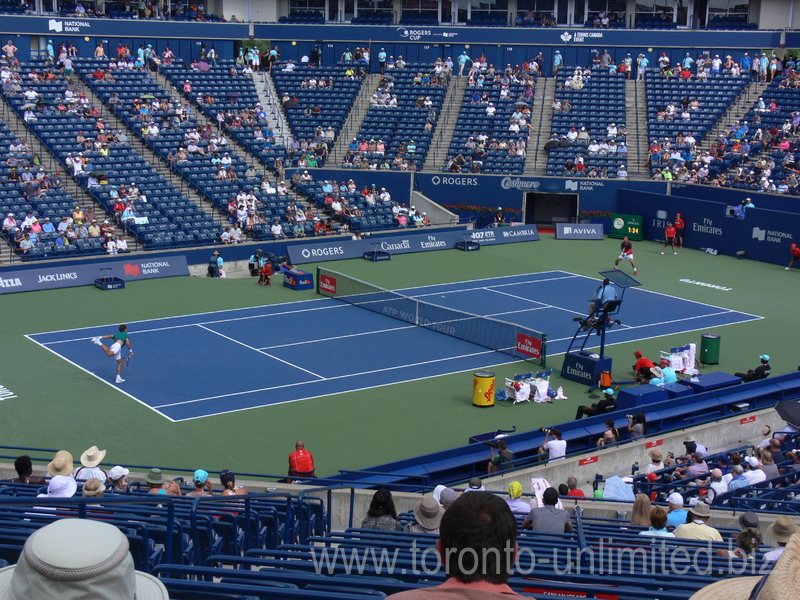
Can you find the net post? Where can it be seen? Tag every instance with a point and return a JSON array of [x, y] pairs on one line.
[[544, 350], [316, 282]]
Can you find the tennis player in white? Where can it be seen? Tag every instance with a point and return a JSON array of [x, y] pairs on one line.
[[121, 338]]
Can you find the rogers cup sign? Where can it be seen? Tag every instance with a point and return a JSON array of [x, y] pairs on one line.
[[529, 346], [327, 284]]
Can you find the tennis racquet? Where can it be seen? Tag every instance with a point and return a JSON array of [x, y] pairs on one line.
[[128, 359]]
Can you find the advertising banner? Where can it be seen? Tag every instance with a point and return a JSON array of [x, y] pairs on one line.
[[45, 278], [415, 242], [579, 231]]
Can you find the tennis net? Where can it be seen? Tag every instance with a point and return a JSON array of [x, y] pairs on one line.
[[520, 342]]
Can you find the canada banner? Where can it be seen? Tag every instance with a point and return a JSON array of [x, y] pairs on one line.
[[529, 346]]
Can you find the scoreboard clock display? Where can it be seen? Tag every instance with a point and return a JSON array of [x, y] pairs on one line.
[[630, 225]]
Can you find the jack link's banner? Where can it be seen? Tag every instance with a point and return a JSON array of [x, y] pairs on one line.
[[54, 276]]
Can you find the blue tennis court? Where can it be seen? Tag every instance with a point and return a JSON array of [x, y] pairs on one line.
[[208, 364]]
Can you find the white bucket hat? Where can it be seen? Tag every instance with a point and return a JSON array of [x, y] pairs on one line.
[[78, 558]]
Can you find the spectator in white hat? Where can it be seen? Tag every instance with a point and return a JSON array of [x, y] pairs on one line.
[[781, 531], [753, 474], [72, 559], [117, 476], [676, 515], [60, 486]]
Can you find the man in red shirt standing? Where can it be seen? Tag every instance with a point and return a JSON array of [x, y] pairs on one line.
[[301, 462], [794, 251], [679, 225], [642, 367], [669, 238]]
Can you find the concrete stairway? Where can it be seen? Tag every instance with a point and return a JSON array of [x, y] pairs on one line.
[[540, 126], [353, 122], [446, 125], [735, 112], [268, 96], [637, 139]]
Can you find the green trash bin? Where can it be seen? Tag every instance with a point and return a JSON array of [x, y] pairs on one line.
[[709, 348]]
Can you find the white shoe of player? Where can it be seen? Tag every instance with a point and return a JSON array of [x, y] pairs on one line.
[[120, 379], [96, 340]]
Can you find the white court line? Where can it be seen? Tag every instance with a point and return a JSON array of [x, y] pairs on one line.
[[372, 387], [334, 378], [635, 327], [472, 289], [201, 323], [652, 337], [641, 291], [115, 387], [340, 337], [235, 341]]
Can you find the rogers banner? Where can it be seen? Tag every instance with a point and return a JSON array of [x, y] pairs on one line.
[[416, 242], [45, 278]]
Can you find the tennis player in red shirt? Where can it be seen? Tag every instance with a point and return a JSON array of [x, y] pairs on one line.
[[626, 253], [669, 238], [301, 462]]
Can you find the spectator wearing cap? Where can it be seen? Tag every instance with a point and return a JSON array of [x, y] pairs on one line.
[[607, 404], [515, 501], [447, 497], [77, 558], [24, 468], [555, 448], [697, 467], [548, 518], [762, 371], [658, 524], [202, 486], [753, 474], [656, 462], [664, 374], [641, 368], [117, 477], [89, 469], [301, 461], [780, 532], [427, 516], [475, 485], [676, 515], [93, 488], [698, 528], [229, 487], [381, 514], [502, 460]]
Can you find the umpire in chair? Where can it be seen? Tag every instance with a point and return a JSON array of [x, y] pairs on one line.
[[604, 301]]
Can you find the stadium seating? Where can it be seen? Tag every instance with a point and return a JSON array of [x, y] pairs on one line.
[[473, 122], [404, 123], [199, 171], [55, 203], [231, 95], [600, 103], [122, 166], [334, 102]]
